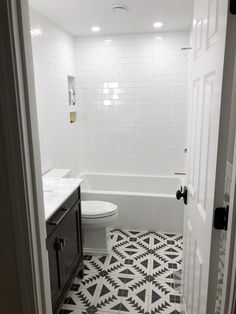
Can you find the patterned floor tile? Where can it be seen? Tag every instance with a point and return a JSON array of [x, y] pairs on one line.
[[119, 236], [163, 269], [166, 242], [137, 277], [157, 305], [135, 303], [163, 299], [137, 238], [117, 264], [140, 267], [95, 264], [83, 293], [165, 290], [130, 250], [109, 295]]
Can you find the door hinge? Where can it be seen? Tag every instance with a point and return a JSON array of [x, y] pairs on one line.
[[221, 218], [232, 7]]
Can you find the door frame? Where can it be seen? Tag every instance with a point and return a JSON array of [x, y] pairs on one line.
[[23, 139], [20, 174], [229, 286]]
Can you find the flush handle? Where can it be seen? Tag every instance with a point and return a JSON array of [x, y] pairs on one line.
[[182, 193]]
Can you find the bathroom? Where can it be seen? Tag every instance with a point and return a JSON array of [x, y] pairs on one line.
[[113, 93]]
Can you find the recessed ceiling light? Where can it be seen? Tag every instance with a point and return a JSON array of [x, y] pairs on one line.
[[35, 32], [108, 40], [95, 28], [157, 25], [158, 38]]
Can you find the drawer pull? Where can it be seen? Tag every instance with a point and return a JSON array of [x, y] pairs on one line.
[[56, 222], [63, 242], [60, 244]]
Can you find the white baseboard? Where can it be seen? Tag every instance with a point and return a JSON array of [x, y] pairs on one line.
[[102, 252]]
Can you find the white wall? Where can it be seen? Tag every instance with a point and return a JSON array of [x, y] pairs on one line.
[[143, 130], [54, 60]]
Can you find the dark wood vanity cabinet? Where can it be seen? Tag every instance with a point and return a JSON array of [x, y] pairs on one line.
[[64, 244]]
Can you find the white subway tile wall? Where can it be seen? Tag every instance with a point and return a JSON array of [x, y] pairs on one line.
[[132, 93], [54, 60]]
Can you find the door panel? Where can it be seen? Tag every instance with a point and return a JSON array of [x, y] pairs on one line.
[[191, 274], [70, 234], [197, 281], [194, 130], [204, 142], [198, 38], [212, 23], [209, 32]]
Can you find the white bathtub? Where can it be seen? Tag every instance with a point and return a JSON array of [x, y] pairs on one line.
[[144, 202]]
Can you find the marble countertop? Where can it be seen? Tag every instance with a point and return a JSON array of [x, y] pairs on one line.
[[56, 191]]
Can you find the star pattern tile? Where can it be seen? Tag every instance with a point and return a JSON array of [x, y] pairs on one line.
[[137, 277]]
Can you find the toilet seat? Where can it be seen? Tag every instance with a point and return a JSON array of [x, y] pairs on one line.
[[97, 209]]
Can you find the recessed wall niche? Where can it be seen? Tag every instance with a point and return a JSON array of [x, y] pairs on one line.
[[72, 99]]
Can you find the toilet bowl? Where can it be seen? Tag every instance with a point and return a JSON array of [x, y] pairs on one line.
[[97, 216]]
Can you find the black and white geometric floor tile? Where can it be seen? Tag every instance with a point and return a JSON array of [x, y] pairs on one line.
[[137, 277]]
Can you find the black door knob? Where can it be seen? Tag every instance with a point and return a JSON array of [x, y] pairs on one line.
[[182, 193]]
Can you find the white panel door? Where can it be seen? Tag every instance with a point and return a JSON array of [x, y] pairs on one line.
[[209, 32]]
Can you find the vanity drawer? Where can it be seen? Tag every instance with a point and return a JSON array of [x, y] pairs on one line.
[[61, 212]]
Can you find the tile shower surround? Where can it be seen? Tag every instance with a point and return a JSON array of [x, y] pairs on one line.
[[131, 96]]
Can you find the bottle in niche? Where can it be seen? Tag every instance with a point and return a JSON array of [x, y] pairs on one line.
[[71, 97], [71, 91]]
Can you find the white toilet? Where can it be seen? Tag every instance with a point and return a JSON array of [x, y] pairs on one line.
[[97, 216]]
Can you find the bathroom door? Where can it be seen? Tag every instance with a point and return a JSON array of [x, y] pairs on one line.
[[208, 40]]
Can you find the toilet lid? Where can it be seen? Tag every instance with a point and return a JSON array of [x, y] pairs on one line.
[[97, 209]]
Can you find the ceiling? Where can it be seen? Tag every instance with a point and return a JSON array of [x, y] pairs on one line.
[[78, 16]]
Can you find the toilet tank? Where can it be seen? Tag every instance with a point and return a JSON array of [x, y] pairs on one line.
[[58, 173]]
